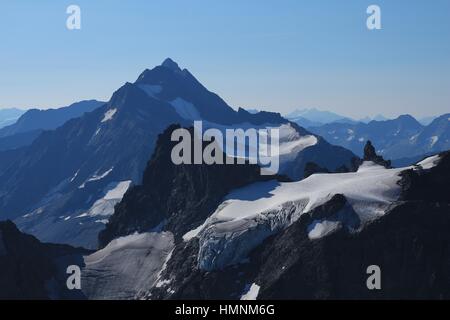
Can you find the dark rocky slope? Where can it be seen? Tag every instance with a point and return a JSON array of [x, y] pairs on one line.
[[33, 270]]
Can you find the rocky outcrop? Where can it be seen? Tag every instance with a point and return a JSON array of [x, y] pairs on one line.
[[33, 270], [312, 168], [428, 184], [371, 155]]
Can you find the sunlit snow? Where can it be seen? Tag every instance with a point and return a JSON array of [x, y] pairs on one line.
[[109, 115], [252, 293]]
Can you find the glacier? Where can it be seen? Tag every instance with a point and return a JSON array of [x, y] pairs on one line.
[[249, 215], [127, 266]]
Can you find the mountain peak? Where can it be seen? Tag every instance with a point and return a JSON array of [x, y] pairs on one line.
[[170, 64], [406, 118]]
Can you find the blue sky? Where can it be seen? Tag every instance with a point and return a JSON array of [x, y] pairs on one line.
[[275, 55]]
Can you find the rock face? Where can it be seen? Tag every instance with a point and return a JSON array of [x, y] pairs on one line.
[[371, 155], [33, 270], [428, 184], [311, 168], [173, 197]]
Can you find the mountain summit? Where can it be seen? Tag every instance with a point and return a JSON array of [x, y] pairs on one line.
[[172, 65]]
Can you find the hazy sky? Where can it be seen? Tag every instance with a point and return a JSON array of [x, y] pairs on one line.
[[272, 54]]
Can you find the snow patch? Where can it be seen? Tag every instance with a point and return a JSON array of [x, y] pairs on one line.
[[319, 229], [413, 138], [34, 212], [433, 140], [185, 109], [252, 292], [151, 90], [105, 205], [429, 162], [193, 233], [96, 177], [109, 115], [75, 175], [162, 283]]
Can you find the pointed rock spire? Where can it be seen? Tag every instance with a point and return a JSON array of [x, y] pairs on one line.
[[371, 155]]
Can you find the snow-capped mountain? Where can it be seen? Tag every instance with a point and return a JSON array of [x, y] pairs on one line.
[[275, 238], [403, 137], [9, 115], [63, 187], [31, 123]]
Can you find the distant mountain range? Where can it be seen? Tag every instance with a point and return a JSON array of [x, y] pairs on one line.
[[313, 117], [403, 137], [378, 117], [30, 124], [9, 116], [63, 186]]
